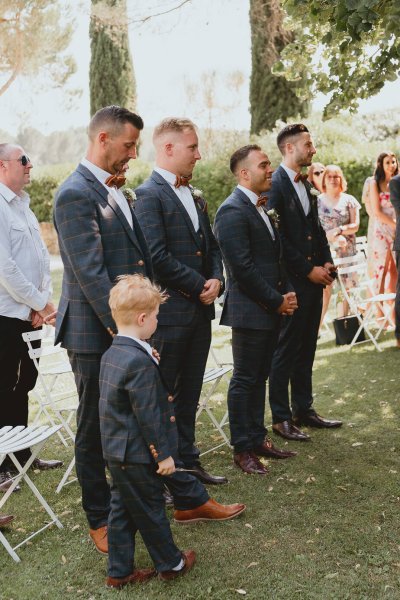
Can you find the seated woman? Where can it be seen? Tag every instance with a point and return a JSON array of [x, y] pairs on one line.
[[384, 222], [339, 214], [314, 175]]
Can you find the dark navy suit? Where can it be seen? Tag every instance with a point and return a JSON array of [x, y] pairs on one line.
[[138, 430], [255, 285], [183, 259], [304, 246], [96, 244]]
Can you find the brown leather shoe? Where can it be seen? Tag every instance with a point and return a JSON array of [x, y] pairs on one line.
[[268, 449], [189, 558], [287, 430], [315, 420], [138, 576], [5, 520], [100, 539], [45, 465], [209, 511], [249, 463]]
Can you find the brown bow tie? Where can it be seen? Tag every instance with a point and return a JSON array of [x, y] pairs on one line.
[[115, 181], [300, 177], [261, 201], [182, 180]]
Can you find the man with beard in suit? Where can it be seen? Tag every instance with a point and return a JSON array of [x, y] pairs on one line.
[[310, 268], [256, 296], [187, 262]]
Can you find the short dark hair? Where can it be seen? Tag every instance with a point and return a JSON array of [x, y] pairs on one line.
[[241, 154], [289, 131], [112, 118]]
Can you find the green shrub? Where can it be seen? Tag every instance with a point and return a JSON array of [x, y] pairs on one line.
[[41, 192]]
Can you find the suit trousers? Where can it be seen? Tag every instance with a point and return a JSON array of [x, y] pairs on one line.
[[252, 355], [294, 358], [137, 504], [90, 465], [397, 301], [184, 351], [18, 376]]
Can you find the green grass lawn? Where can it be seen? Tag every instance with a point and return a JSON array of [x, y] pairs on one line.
[[323, 525]]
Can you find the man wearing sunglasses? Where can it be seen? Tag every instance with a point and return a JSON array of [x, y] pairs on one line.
[[25, 291]]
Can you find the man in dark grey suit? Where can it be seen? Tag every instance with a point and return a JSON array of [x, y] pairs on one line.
[[256, 296], [187, 262], [99, 239], [309, 263], [394, 187]]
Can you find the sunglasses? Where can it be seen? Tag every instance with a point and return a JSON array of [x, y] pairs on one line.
[[317, 173], [24, 160]]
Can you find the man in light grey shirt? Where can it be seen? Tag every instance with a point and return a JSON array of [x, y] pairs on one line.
[[25, 290]]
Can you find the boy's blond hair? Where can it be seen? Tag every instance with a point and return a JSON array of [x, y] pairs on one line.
[[133, 295]]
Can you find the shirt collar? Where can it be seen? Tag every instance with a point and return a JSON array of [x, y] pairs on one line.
[[167, 175], [252, 196], [9, 195], [292, 174], [99, 173], [145, 345]]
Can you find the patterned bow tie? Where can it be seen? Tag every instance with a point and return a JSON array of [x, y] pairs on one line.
[[182, 180], [261, 201], [300, 177], [115, 181]]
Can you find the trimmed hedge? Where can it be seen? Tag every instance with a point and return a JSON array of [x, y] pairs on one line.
[[213, 177]]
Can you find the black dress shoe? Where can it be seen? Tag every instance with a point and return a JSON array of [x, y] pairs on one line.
[[270, 451], [315, 420], [249, 463], [287, 430], [45, 465], [205, 477]]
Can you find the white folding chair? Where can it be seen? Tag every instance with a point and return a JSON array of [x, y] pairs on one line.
[[362, 301], [362, 245], [14, 439], [55, 390]]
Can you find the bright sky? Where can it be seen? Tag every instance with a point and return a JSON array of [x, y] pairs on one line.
[[168, 52]]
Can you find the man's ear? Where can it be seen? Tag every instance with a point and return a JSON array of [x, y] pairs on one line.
[[169, 149], [103, 137]]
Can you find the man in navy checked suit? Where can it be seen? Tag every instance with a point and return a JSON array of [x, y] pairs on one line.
[[256, 296], [140, 443], [187, 262], [309, 262], [99, 239]]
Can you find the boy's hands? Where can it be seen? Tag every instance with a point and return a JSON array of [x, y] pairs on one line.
[[166, 467]]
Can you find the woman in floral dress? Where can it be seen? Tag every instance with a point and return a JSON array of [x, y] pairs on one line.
[[339, 214], [384, 222]]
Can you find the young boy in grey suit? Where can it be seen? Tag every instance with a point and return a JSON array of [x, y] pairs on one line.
[[140, 444]]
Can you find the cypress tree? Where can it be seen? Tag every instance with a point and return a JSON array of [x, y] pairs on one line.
[[111, 74], [271, 97]]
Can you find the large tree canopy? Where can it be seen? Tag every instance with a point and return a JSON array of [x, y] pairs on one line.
[[360, 49], [112, 79], [33, 37]]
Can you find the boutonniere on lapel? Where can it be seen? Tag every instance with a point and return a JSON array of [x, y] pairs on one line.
[[197, 196], [314, 192], [130, 196], [274, 216]]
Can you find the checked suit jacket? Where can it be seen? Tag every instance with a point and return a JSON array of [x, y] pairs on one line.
[[96, 244], [183, 259], [137, 420], [256, 276], [303, 237]]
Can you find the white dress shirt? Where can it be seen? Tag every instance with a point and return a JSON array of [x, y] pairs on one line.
[[253, 198], [184, 195], [25, 281], [145, 345], [117, 194], [300, 189]]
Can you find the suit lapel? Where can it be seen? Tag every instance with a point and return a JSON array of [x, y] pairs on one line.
[[126, 341], [102, 192], [256, 214], [172, 196], [290, 191]]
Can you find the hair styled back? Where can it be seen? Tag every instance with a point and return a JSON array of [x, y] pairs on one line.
[[379, 173], [240, 155], [172, 124], [111, 119], [287, 133], [132, 295], [330, 168]]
